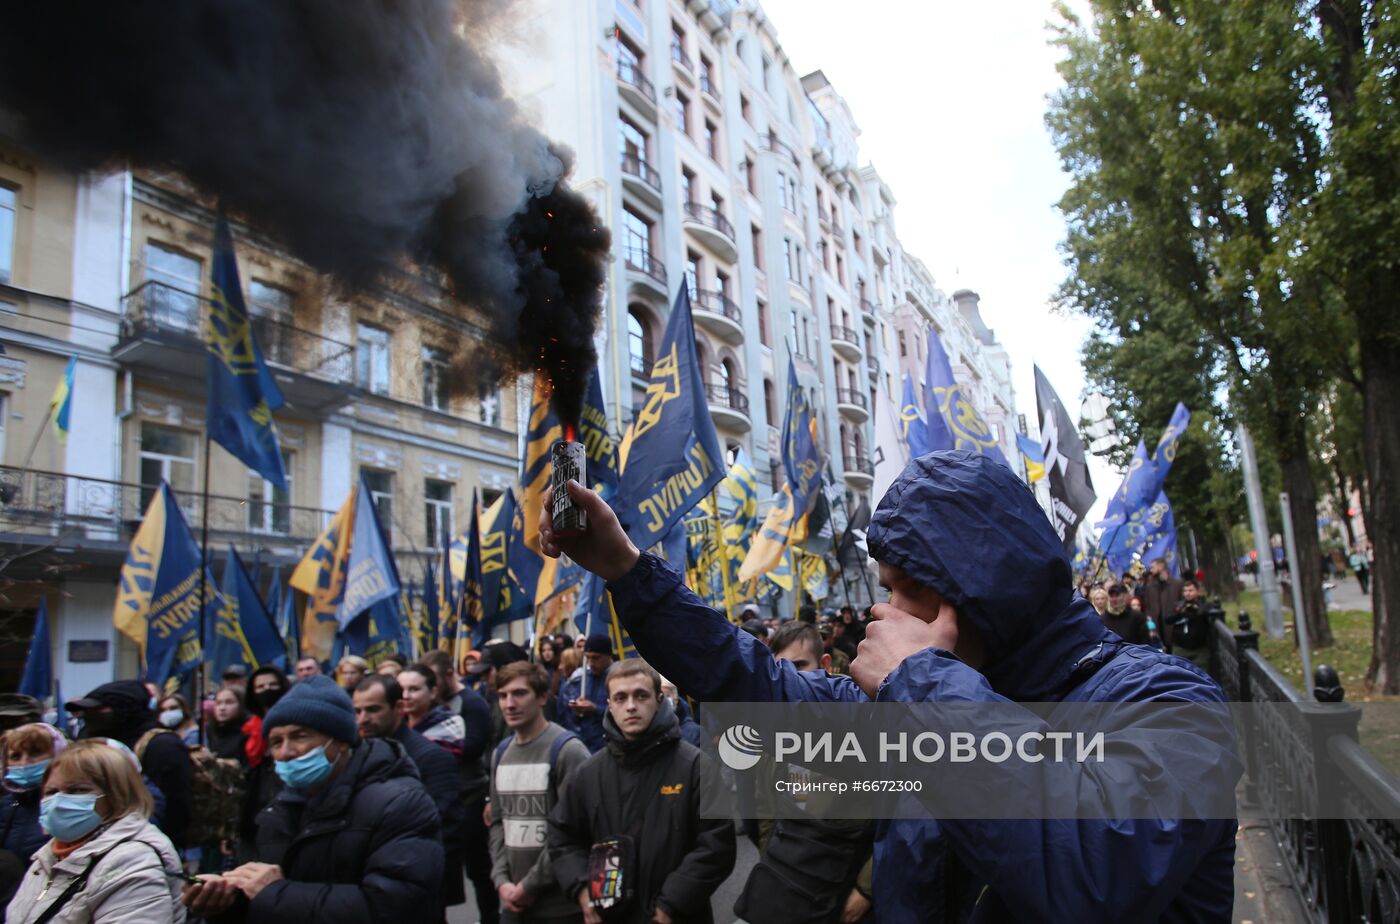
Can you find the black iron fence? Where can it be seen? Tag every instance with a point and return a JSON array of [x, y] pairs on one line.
[[1344, 869]]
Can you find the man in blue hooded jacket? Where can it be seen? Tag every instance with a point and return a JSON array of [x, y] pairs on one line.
[[981, 610]]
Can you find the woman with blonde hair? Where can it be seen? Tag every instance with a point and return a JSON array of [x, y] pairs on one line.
[[106, 862]]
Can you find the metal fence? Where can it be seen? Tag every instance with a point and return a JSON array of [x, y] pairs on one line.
[[1344, 869]]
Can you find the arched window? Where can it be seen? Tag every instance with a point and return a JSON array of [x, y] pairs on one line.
[[638, 343], [770, 406], [845, 438], [728, 375], [859, 445]]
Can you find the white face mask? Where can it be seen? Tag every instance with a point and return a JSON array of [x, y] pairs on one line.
[[171, 718]]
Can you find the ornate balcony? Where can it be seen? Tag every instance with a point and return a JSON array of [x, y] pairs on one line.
[[868, 308], [859, 472], [729, 406], [634, 85], [853, 404], [716, 312], [712, 228], [640, 177], [162, 333], [647, 270], [845, 342]]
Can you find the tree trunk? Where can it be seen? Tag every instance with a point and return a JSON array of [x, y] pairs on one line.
[[1302, 507], [1380, 368], [1344, 506]]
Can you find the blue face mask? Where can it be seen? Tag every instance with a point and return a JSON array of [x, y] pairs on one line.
[[307, 771], [70, 816], [27, 776]]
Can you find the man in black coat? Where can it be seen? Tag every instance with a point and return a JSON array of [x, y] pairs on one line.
[[353, 838], [650, 786], [123, 710]]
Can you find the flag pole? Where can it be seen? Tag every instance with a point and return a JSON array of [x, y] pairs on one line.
[[723, 557], [795, 561], [203, 581]]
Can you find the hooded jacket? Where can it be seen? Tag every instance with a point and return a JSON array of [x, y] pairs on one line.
[[137, 879], [652, 788], [165, 761], [964, 525], [367, 849]]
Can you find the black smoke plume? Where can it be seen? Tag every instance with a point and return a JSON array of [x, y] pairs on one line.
[[360, 133]]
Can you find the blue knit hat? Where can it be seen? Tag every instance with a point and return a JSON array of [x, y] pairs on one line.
[[316, 703]]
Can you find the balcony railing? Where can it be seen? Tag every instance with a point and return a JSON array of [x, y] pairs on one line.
[[635, 166], [155, 309], [839, 332], [679, 56], [709, 217], [773, 143], [707, 86], [850, 396], [639, 365], [854, 463], [717, 303], [730, 396], [64, 506], [645, 263], [868, 306], [631, 74], [872, 364]]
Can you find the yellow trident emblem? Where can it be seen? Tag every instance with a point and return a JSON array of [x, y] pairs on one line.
[[229, 336], [665, 385]]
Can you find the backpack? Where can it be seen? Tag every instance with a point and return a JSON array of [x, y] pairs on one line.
[[217, 787], [555, 746]]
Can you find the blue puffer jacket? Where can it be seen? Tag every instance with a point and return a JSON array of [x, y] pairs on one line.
[[589, 728], [967, 527]]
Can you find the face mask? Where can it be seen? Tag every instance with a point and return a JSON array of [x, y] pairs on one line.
[[171, 718], [69, 816], [307, 771], [267, 699], [28, 776]]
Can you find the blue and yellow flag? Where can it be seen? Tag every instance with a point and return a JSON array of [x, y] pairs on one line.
[[321, 576], [596, 616], [242, 393], [242, 630], [913, 426], [814, 577], [1143, 527], [281, 603], [61, 406], [801, 460], [780, 529], [1035, 457], [470, 611], [495, 529], [953, 422], [371, 575], [37, 679], [523, 569], [432, 615], [671, 455], [704, 559], [1162, 544], [158, 593], [1146, 474], [544, 430]]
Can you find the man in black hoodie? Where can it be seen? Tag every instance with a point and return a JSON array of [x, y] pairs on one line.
[[646, 804], [123, 710]]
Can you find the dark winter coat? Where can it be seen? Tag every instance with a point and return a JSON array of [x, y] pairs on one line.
[[438, 772], [964, 525], [368, 849], [165, 762], [19, 823], [652, 788]]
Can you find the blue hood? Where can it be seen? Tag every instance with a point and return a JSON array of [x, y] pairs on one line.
[[966, 526]]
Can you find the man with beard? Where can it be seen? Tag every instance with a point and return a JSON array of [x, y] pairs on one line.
[[122, 710], [1131, 626]]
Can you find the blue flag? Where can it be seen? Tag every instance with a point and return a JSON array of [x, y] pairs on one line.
[[494, 551], [242, 630], [953, 422], [282, 605], [1146, 474], [37, 680], [242, 393], [1145, 527], [379, 631], [671, 455], [431, 615], [158, 604], [524, 566], [371, 575], [801, 461], [471, 614], [1163, 544], [913, 429]]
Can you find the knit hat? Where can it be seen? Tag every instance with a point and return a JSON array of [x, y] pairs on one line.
[[316, 703], [599, 644]]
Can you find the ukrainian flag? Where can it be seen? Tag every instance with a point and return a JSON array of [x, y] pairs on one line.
[[61, 407], [1035, 457]]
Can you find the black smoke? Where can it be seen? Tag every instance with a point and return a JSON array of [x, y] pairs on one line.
[[363, 134]]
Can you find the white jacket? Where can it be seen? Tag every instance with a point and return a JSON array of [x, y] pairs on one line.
[[138, 881]]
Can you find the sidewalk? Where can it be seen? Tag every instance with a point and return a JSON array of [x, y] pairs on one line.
[[1263, 891]]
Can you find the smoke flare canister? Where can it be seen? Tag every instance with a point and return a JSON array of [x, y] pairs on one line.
[[568, 464]]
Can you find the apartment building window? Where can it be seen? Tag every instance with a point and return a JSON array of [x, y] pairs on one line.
[[4, 416], [763, 335], [831, 309], [687, 185], [636, 237], [903, 344], [840, 269], [783, 191], [381, 494], [717, 203], [271, 308], [792, 194], [638, 344], [629, 56], [678, 45], [767, 72], [167, 454], [489, 496], [372, 359], [805, 345], [173, 299], [634, 140], [751, 175], [437, 499], [757, 234], [711, 140], [770, 402], [789, 260], [857, 242], [792, 331], [488, 409], [682, 113], [269, 507], [9, 209], [435, 366], [824, 253], [745, 109], [693, 265]]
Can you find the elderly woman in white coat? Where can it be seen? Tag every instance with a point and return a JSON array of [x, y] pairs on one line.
[[106, 863]]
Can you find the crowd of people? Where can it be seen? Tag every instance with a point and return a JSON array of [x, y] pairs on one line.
[[560, 784]]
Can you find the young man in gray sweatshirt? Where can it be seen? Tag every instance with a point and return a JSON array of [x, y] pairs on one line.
[[528, 771]]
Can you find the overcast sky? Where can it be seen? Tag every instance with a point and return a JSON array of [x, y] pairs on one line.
[[950, 99]]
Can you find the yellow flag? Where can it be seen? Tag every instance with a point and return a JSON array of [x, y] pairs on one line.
[[321, 576], [777, 532], [543, 433]]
